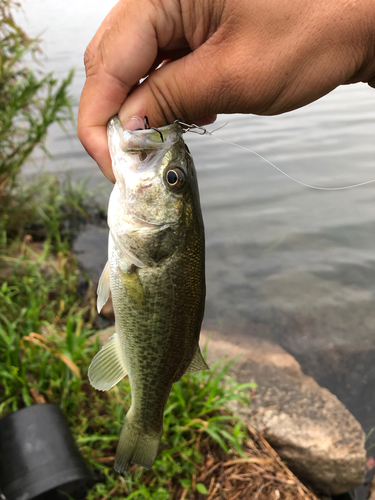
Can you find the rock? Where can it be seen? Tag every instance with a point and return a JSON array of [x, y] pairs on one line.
[[321, 442], [91, 250]]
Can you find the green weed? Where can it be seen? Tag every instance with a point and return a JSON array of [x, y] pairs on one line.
[[43, 331], [29, 103], [62, 208], [45, 349]]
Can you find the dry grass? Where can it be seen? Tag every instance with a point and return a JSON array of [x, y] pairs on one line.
[[260, 476]]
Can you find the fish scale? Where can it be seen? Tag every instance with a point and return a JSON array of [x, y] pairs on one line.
[[156, 276]]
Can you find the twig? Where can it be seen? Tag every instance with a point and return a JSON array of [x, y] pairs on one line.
[[184, 493], [256, 496], [214, 491]]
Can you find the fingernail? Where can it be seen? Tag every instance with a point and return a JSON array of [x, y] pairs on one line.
[[132, 123]]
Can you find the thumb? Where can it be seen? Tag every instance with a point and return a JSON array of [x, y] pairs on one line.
[[189, 89]]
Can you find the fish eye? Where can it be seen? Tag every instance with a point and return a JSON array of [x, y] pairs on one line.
[[175, 178]]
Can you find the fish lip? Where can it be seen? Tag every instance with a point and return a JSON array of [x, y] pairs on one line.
[[146, 139]]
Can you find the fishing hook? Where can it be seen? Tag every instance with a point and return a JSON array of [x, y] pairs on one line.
[[147, 127], [196, 129], [186, 127]]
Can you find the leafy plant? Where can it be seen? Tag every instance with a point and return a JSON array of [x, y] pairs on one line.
[[49, 208], [29, 103]]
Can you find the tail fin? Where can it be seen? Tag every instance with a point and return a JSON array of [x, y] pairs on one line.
[[135, 447]]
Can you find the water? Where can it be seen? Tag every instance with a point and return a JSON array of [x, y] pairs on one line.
[[284, 262]]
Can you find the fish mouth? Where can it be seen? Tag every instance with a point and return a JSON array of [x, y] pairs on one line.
[[147, 140], [150, 145]]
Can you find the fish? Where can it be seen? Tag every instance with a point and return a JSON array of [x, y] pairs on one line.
[[156, 275]]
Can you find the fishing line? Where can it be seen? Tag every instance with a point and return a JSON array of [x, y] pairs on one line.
[[203, 131]]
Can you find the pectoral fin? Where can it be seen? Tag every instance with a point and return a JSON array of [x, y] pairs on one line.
[[107, 368], [103, 288], [197, 363]]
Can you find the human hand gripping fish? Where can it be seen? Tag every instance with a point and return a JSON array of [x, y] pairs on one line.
[[156, 275], [219, 56]]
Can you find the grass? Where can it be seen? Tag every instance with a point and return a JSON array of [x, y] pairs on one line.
[[197, 417], [40, 319], [45, 328], [44, 355]]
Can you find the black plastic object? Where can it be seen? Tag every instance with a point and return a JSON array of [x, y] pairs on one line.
[[39, 458]]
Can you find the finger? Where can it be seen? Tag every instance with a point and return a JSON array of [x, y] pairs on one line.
[[122, 52], [187, 89], [205, 120]]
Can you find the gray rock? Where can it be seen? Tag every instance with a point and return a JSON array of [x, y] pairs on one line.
[[319, 439]]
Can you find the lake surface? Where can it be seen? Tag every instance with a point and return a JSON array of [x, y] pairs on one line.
[[284, 262]]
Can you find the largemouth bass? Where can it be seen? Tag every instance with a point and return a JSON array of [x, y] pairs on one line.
[[155, 272]]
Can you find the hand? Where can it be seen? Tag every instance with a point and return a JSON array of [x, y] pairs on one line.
[[219, 56]]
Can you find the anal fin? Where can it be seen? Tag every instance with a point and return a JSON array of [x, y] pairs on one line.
[[103, 288], [107, 368], [197, 363]]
